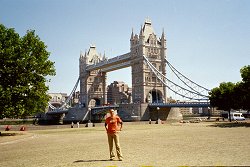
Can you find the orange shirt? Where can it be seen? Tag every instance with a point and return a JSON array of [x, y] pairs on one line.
[[112, 123]]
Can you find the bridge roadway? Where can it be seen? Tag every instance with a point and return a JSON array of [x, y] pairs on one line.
[[183, 104], [99, 109], [96, 110]]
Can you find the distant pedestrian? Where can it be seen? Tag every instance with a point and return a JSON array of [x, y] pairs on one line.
[[113, 125], [23, 128], [7, 128], [72, 124]]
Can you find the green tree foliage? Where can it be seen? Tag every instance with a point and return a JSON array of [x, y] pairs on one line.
[[221, 96], [245, 74], [242, 89], [24, 67], [232, 96]]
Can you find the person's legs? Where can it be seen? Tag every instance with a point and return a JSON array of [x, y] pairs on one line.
[[117, 145], [111, 151]]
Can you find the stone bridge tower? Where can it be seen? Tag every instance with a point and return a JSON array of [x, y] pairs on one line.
[[146, 88], [92, 84]]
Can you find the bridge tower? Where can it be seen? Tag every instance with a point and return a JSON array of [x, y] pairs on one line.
[[146, 88], [92, 84]]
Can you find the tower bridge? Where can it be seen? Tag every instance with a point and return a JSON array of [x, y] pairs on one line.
[[148, 59], [94, 68]]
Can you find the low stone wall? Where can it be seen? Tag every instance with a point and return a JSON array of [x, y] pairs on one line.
[[76, 115], [141, 112], [129, 112]]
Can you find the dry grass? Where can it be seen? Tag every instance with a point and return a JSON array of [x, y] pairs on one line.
[[175, 144]]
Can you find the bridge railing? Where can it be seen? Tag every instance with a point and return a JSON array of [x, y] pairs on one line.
[[182, 104]]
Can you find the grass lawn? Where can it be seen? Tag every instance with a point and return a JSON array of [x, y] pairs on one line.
[[175, 144]]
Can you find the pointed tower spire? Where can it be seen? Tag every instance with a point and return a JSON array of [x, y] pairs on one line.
[[132, 34], [163, 39], [141, 36], [81, 55], [163, 34], [85, 54], [141, 31], [104, 56]]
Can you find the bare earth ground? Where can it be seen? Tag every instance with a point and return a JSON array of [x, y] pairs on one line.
[[173, 144]]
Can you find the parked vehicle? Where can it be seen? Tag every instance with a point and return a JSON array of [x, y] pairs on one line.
[[237, 116]]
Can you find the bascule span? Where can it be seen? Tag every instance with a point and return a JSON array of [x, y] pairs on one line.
[[127, 112]]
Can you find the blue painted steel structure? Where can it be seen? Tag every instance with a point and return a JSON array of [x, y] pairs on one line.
[[186, 104], [96, 110]]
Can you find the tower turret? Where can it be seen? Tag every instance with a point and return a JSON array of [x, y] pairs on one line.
[[163, 39], [141, 37], [132, 35]]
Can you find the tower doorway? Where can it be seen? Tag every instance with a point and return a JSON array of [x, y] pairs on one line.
[[154, 96], [95, 102]]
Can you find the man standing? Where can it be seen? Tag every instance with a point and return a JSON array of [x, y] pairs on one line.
[[113, 124]]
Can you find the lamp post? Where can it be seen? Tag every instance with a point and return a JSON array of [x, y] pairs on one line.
[[89, 124], [157, 121], [209, 112], [89, 110]]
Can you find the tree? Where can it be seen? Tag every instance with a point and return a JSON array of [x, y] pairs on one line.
[[245, 74], [24, 67], [232, 96], [243, 88], [221, 96]]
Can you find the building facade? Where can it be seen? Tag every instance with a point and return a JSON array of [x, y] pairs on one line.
[[119, 92], [57, 99], [188, 111]]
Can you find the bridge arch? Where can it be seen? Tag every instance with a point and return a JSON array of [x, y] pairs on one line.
[[94, 102], [154, 96]]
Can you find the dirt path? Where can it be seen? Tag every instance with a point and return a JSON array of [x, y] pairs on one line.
[[142, 145]]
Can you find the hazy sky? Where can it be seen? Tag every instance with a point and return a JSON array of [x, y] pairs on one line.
[[208, 41]]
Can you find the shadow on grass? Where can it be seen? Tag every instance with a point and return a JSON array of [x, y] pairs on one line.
[[93, 160], [231, 125]]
